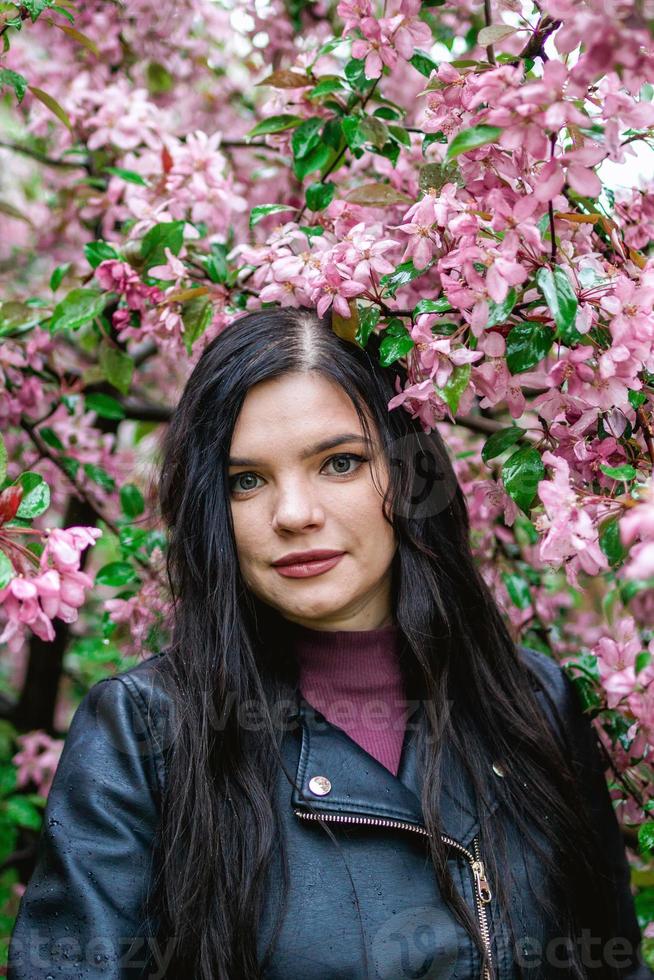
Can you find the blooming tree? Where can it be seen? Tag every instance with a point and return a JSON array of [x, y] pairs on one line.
[[431, 172]]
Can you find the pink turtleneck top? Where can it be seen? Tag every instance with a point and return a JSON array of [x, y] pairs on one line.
[[354, 678]]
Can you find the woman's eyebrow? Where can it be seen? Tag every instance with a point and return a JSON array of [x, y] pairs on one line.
[[319, 447]]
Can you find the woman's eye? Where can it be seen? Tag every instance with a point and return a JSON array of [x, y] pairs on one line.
[[236, 486], [233, 483], [348, 457]]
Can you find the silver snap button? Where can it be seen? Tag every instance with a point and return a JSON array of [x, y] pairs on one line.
[[320, 785], [497, 769]]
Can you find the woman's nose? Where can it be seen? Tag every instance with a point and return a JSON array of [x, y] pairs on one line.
[[296, 507]]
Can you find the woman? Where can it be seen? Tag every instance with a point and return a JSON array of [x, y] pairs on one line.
[[216, 815]]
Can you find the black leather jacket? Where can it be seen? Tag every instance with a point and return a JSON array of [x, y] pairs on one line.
[[369, 909]]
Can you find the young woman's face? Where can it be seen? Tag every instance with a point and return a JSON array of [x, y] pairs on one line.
[[289, 495]]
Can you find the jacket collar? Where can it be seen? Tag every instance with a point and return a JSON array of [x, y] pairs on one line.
[[360, 786]]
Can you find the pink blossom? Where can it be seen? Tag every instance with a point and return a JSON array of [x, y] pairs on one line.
[[375, 47], [366, 254], [571, 534], [616, 660], [173, 268], [56, 592], [411, 32], [37, 760], [493, 380], [334, 288], [119, 277], [353, 12]]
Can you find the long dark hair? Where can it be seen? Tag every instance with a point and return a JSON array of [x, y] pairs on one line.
[[219, 828]]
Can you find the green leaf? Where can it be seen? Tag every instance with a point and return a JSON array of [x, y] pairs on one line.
[[15, 81], [116, 573], [626, 472], [306, 137], [312, 231], [131, 500], [7, 570], [36, 496], [525, 531], [559, 296], [263, 210], [57, 276], [633, 587], [423, 63], [8, 838], [76, 309], [521, 474], [500, 312], [99, 476], [274, 124], [97, 252], [351, 131], [355, 72], [643, 659], [51, 438], [319, 195], [396, 342], [36, 7], [3, 460], [636, 398], [167, 234], [527, 344], [472, 139], [158, 78], [373, 130], [315, 159], [500, 441], [455, 386], [326, 87], [130, 176], [69, 465], [440, 305], [332, 134], [7, 778], [368, 320], [197, 314], [390, 150], [216, 265], [430, 138], [518, 588], [22, 812], [646, 838], [610, 543], [18, 318], [644, 903], [118, 367], [103, 405], [400, 135], [403, 275]]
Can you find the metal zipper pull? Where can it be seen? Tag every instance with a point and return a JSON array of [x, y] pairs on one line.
[[483, 887]]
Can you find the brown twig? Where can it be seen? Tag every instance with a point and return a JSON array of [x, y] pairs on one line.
[[488, 15], [648, 431], [45, 450], [41, 158], [534, 46]]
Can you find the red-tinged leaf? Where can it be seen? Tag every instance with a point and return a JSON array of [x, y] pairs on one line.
[[82, 39], [286, 78], [166, 160], [9, 502], [51, 104]]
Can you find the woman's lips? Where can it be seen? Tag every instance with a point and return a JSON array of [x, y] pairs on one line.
[[307, 569]]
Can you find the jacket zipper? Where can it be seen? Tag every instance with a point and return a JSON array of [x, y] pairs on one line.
[[482, 890]]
